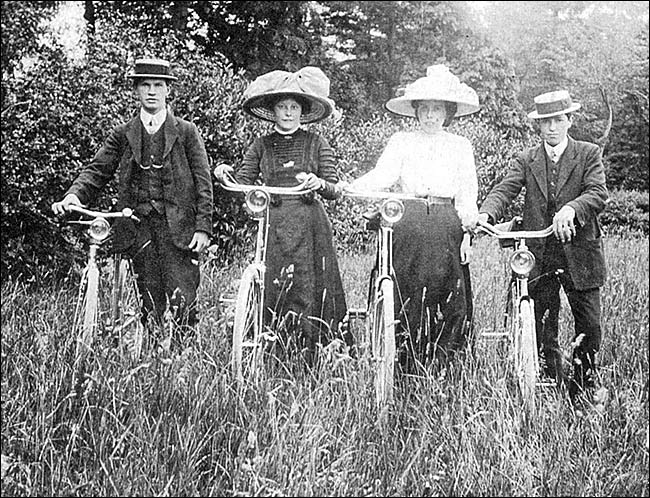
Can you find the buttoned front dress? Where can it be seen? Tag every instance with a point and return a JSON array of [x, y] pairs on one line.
[[303, 284], [434, 293]]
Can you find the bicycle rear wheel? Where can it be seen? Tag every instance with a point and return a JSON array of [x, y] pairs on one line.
[[382, 336], [247, 326], [126, 309], [86, 309], [526, 363]]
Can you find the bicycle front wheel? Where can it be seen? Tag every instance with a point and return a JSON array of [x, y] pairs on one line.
[[526, 354], [383, 342], [126, 309], [85, 321], [247, 326]]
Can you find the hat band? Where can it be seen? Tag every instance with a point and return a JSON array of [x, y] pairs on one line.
[[151, 69], [555, 106]]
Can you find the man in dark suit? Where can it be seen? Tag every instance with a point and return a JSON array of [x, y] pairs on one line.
[[565, 187], [164, 176]]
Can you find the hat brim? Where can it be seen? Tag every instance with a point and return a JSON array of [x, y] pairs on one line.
[[535, 115], [152, 76], [257, 106], [403, 106]]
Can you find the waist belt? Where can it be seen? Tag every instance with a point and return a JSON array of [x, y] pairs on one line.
[[434, 199]]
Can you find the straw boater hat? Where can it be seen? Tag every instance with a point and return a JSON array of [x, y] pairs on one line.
[[152, 68], [438, 84], [553, 104], [308, 83]]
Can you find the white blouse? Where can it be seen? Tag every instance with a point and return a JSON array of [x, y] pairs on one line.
[[422, 164]]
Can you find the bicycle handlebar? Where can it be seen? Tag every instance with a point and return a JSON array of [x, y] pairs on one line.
[[524, 234], [229, 183], [125, 213]]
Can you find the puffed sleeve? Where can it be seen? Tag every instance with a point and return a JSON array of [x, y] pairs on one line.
[[327, 170], [467, 194], [249, 170], [386, 172]]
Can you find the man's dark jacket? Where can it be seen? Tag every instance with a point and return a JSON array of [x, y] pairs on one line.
[[187, 183], [581, 185]]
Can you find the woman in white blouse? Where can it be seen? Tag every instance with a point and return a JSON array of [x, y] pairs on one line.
[[431, 243]]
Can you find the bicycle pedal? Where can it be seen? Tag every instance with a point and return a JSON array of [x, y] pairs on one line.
[[358, 313], [494, 335]]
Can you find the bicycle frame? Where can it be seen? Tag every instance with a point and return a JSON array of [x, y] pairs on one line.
[[86, 310], [521, 312], [379, 314], [250, 296]]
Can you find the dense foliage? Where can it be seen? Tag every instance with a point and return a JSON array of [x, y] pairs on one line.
[[57, 110]]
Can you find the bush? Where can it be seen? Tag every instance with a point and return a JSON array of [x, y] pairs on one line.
[[627, 210]]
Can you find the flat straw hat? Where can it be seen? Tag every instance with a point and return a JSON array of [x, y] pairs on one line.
[[553, 104], [309, 83], [152, 68], [438, 84]]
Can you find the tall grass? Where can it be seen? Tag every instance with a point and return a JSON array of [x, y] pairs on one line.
[[178, 425]]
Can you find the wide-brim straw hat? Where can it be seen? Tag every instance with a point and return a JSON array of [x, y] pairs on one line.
[[438, 84], [553, 104], [309, 83], [152, 68]]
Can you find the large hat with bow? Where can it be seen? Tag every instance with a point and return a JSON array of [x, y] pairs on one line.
[[308, 83], [553, 104], [438, 84]]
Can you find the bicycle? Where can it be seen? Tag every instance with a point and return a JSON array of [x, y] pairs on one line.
[[520, 307], [379, 314], [248, 324], [124, 305]]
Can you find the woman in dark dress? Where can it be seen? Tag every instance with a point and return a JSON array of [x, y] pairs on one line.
[[303, 289], [431, 242]]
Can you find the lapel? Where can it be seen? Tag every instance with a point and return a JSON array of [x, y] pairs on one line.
[[538, 167], [134, 136], [171, 132], [569, 163]]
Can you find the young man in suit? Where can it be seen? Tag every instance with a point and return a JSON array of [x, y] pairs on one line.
[[164, 176], [565, 187]]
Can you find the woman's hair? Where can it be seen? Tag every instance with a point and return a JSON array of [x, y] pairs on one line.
[[272, 100], [450, 110]]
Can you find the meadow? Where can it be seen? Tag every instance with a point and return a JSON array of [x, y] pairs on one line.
[[177, 425]]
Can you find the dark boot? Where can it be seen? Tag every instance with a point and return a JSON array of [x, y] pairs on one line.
[[584, 374], [553, 365]]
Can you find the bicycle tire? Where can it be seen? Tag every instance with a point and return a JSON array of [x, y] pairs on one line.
[[383, 342], [246, 323], [126, 309], [85, 321], [526, 354]]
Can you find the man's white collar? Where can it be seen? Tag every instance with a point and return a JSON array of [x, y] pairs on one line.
[[153, 120], [558, 149]]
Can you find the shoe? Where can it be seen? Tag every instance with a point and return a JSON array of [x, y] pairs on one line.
[[583, 382]]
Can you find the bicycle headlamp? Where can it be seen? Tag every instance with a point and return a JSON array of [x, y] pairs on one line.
[[392, 210], [99, 229], [257, 201], [522, 262]]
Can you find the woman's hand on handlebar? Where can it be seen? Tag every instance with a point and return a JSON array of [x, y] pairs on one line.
[[222, 170], [310, 181], [62, 207]]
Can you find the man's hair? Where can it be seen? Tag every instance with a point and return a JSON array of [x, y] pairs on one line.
[[137, 81], [450, 110]]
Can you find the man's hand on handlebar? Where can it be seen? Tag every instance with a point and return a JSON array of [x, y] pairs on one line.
[[563, 224], [222, 170], [62, 207]]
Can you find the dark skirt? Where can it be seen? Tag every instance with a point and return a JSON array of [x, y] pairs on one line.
[[434, 292], [304, 291]]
